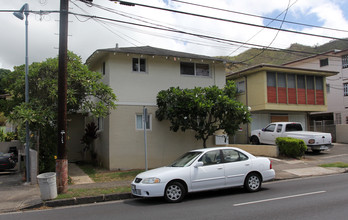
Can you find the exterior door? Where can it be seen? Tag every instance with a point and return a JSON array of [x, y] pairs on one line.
[[267, 135], [211, 175], [237, 165]]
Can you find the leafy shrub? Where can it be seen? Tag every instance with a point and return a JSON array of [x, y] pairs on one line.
[[10, 136], [291, 147], [2, 135]]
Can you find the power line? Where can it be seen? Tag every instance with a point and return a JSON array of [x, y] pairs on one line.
[[105, 26], [218, 39], [263, 50], [226, 20], [266, 25], [258, 16]]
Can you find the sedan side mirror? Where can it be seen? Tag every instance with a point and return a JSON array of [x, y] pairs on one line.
[[199, 164]]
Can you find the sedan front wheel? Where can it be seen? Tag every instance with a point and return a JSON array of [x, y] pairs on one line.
[[253, 182], [174, 192]]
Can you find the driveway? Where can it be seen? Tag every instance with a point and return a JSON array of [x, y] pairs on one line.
[[339, 153]]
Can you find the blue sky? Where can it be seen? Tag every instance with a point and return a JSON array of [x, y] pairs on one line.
[[306, 16]]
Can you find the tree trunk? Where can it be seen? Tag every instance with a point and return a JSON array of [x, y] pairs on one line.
[[205, 142]]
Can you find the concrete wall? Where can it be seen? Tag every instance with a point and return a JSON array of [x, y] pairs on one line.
[[126, 143], [120, 145], [161, 74], [259, 150], [4, 146], [341, 133]]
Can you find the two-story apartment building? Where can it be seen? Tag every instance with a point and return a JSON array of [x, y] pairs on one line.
[[136, 75], [337, 85], [278, 93]]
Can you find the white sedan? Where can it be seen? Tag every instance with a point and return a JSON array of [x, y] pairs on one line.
[[204, 169]]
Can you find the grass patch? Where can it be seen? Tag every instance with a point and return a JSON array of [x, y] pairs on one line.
[[92, 192], [102, 175], [337, 164]]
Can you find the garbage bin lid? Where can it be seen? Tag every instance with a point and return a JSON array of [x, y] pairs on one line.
[[46, 175]]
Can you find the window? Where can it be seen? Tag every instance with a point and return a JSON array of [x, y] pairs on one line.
[[344, 61], [324, 62], [281, 80], [139, 65], [286, 88], [240, 87], [319, 83], [100, 124], [194, 69], [282, 95], [202, 69], [293, 127], [279, 128], [103, 68], [140, 122], [310, 90], [319, 93], [338, 119], [301, 89], [270, 128], [345, 89], [271, 79], [211, 157], [310, 82], [233, 156], [271, 87], [301, 82], [292, 95]]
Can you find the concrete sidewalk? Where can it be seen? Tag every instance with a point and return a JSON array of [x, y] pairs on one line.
[[20, 196]]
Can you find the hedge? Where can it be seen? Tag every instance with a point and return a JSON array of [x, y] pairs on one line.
[[291, 147]]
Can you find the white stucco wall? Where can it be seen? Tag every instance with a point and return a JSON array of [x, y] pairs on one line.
[[121, 145], [161, 74]]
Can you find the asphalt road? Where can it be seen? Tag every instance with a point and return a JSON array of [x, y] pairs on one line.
[[316, 198]]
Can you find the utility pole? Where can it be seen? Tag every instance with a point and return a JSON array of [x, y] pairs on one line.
[[62, 159]]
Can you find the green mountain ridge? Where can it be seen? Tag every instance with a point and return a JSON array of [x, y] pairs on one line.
[[296, 51]]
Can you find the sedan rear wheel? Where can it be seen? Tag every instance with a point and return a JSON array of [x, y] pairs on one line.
[[253, 182], [174, 192]]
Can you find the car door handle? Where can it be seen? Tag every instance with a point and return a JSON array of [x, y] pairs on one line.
[[219, 168], [247, 164]]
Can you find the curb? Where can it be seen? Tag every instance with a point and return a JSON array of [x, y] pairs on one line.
[[114, 197], [80, 200]]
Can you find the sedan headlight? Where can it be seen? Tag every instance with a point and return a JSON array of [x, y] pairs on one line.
[[151, 180]]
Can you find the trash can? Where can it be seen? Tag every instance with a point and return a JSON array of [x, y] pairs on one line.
[[48, 185]]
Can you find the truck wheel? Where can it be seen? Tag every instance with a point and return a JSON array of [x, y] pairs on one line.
[[254, 140]]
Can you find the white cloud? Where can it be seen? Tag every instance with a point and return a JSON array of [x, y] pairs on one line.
[[88, 36]]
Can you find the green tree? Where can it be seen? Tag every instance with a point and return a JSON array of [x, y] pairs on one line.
[[86, 94], [203, 110], [3, 74]]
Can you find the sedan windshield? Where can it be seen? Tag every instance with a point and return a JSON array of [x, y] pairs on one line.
[[185, 160]]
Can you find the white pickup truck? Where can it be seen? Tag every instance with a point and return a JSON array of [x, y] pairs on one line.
[[316, 141]]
